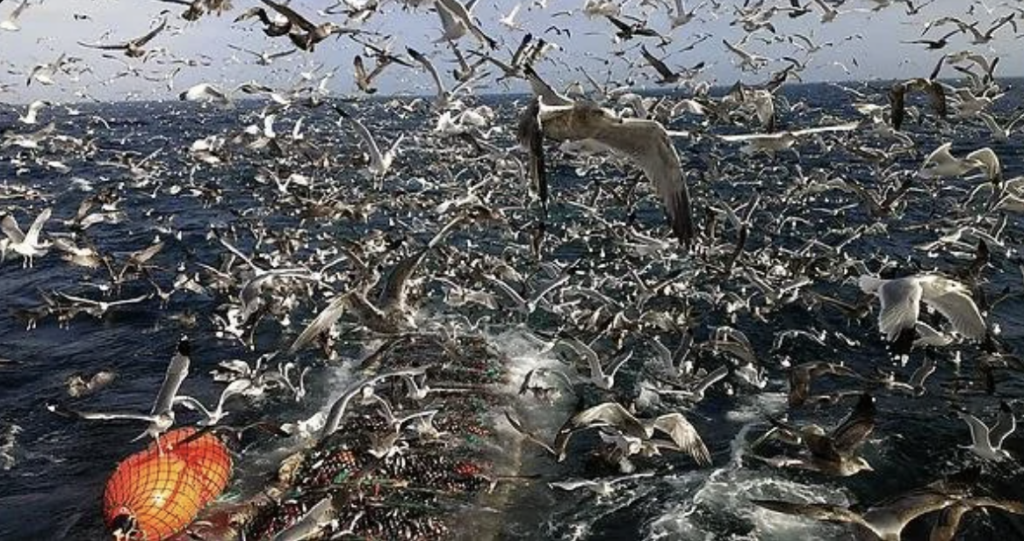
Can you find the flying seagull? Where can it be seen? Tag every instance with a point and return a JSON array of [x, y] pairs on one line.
[[645, 142], [987, 442], [132, 48], [161, 416], [901, 303]]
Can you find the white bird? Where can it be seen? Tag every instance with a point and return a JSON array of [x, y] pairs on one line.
[[1000, 133], [941, 163], [452, 29], [509, 21], [681, 16], [601, 487], [206, 93], [782, 140], [527, 306], [901, 303], [748, 61], [26, 245], [598, 376], [645, 142], [683, 434], [988, 442], [11, 22], [33, 110], [161, 416], [380, 162], [236, 387], [461, 13]]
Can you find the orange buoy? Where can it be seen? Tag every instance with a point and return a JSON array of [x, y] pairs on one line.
[[153, 495]]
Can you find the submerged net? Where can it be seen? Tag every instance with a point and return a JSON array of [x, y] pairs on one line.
[[418, 493]]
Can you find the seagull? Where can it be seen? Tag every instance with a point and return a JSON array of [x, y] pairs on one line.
[[33, 110], [941, 43], [161, 417], [884, 522], [26, 245], [667, 75], [781, 140], [598, 376], [901, 303], [801, 377], [364, 80], [695, 391], [132, 48], [461, 12], [527, 306], [11, 22], [748, 61], [79, 386], [313, 33], [601, 487], [509, 21], [453, 29], [681, 16], [941, 163], [683, 435], [645, 142], [988, 442], [206, 92], [236, 387], [379, 162], [271, 27], [930, 86], [390, 314], [444, 96], [833, 453], [265, 58], [98, 309], [1000, 133]]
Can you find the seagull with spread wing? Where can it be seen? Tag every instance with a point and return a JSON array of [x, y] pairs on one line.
[[132, 48], [161, 416], [645, 142]]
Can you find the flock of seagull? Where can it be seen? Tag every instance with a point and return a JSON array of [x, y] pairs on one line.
[[798, 233]]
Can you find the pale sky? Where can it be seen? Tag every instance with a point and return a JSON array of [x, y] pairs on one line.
[[49, 28]]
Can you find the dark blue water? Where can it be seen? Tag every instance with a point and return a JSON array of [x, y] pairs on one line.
[[54, 487]]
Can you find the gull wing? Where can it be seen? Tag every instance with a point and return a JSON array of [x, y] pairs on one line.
[[851, 433], [952, 300], [610, 413], [291, 15], [901, 305], [32, 237], [849, 126], [9, 226], [429, 66], [177, 371], [323, 321], [1006, 423], [657, 64], [393, 294], [980, 433], [139, 42], [648, 144], [684, 435], [364, 134], [573, 485], [531, 137]]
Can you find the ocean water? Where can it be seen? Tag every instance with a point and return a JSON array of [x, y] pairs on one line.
[[53, 487]]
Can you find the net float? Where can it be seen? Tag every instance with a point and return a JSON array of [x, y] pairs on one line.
[[157, 492]]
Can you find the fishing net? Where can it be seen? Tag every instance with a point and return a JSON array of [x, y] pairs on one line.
[[416, 494], [165, 490]]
